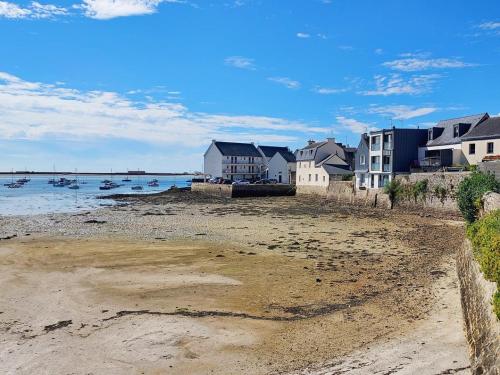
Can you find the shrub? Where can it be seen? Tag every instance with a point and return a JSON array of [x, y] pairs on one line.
[[419, 190], [484, 235], [470, 192], [347, 177], [441, 193], [393, 189]]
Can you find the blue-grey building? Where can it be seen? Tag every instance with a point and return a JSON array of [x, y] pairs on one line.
[[361, 158]]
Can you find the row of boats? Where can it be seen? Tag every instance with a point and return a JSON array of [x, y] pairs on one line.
[[18, 183], [74, 184]]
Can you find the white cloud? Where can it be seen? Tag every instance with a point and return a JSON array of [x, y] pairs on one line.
[[107, 9], [414, 64], [240, 62], [285, 81], [328, 90], [303, 35], [395, 84], [490, 25], [33, 11], [355, 126], [40, 111], [401, 112], [379, 51]]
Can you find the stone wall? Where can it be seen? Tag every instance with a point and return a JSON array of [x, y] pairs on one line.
[[481, 325], [447, 180], [312, 190], [240, 191], [492, 166], [225, 191]]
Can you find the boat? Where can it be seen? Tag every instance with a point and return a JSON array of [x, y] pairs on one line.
[[14, 185], [136, 187], [153, 183], [127, 179], [62, 182], [74, 186], [23, 180], [52, 181], [106, 181]]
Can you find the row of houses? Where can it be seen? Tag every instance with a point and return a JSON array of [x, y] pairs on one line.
[[379, 157]]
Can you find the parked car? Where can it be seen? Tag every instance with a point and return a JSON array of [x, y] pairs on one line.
[[264, 181], [241, 182], [273, 181]]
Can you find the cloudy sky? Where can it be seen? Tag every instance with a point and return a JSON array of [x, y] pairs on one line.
[[126, 84]]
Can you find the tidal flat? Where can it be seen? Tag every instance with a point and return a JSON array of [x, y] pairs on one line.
[[181, 283]]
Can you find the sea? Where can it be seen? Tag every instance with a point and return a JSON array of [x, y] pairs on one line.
[[39, 197]]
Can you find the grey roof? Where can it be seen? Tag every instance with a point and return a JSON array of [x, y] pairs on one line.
[[237, 149], [270, 151], [446, 138], [486, 130], [333, 159], [335, 169], [314, 145]]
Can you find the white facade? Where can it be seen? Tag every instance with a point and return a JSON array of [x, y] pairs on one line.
[[308, 174], [280, 170], [475, 151], [232, 167], [212, 162]]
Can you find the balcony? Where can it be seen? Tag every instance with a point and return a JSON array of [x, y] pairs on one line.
[[386, 168], [387, 145], [375, 167], [246, 162], [375, 147]]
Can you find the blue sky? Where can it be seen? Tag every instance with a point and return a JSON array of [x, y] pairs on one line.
[[147, 84]]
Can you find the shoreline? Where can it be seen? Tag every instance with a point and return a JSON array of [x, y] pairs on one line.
[[323, 281]]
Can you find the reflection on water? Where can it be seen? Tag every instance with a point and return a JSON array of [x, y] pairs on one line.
[[38, 196]]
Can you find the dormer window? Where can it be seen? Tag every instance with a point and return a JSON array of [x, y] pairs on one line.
[[429, 138], [456, 131]]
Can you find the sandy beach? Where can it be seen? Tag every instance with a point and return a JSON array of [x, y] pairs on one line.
[[179, 283]]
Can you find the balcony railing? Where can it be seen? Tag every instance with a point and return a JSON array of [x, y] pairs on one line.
[[375, 147], [386, 168], [241, 162], [375, 167], [387, 145], [430, 162]]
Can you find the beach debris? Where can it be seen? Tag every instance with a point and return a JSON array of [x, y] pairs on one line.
[[58, 325], [94, 221], [8, 237]]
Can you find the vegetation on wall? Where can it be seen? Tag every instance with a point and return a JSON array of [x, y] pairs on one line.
[[470, 192], [484, 235], [394, 190]]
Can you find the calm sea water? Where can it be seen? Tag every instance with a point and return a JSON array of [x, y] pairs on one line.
[[37, 196]]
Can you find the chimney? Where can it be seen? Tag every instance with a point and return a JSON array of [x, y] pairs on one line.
[[331, 139], [310, 142]]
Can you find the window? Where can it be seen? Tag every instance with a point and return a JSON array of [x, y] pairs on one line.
[[362, 160], [455, 131], [309, 164], [316, 177], [429, 135], [472, 149], [489, 148], [324, 178], [309, 178], [300, 179], [362, 182]]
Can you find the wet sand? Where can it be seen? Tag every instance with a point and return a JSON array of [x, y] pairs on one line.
[[186, 284]]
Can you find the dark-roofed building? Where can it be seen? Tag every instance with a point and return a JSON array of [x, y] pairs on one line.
[[482, 142], [318, 163], [444, 141], [279, 163], [233, 161]]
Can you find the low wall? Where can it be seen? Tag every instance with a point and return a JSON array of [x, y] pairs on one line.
[[213, 189], [481, 325], [240, 191], [312, 190], [492, 166]]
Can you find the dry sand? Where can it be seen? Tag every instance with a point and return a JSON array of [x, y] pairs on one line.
[[183, 284]]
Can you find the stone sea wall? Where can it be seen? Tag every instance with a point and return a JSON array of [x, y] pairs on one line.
[[240, 191], [482, 327]]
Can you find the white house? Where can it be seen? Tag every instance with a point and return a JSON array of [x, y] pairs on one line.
[[280, 164], [233, 161], [320, 162]]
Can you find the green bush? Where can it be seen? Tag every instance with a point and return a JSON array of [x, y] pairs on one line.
[[441, 193], [394, 190], [484, 235], [419, 190], [347, 177], [470, 192]]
